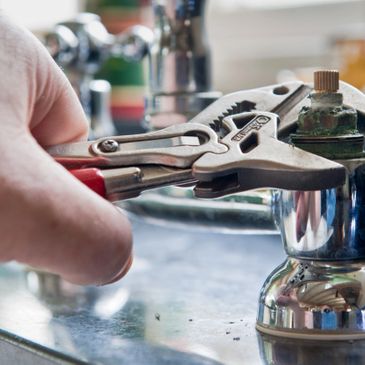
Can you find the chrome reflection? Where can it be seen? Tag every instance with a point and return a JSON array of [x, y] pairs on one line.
[[326, 224], [57, 294], [312, 299], [319, 291], [282, 351]]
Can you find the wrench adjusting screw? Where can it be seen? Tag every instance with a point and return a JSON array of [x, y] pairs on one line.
[[109, 145]]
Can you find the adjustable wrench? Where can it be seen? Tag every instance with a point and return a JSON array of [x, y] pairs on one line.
[[229, 147]]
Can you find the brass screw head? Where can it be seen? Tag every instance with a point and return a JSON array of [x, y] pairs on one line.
[[326, 81]]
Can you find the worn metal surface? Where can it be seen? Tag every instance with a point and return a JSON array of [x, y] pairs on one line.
[[191, 298], [202, 287]]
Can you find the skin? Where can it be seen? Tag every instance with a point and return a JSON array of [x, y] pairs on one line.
[[48, 219]]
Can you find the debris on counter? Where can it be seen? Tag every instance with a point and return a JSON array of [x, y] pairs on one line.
[[236, 338], [190, 320], [228, 332], [157, 316]]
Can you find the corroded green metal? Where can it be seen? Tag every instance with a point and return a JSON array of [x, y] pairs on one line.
[[326, 118], [329, 128]]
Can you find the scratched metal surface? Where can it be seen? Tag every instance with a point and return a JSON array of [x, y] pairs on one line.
[[189, 299]]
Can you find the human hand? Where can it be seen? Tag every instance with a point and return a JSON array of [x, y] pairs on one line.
[[48, 219]]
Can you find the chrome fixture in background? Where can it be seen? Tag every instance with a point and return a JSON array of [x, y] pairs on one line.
[[179, 67], [101, 122], [80, 47], [178, 55]]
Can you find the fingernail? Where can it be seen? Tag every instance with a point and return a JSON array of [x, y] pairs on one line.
[[123, 271]]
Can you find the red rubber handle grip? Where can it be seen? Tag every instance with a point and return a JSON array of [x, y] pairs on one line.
[[92, 178]]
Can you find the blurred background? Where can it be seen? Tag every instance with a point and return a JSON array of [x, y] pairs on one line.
[[252, 41]]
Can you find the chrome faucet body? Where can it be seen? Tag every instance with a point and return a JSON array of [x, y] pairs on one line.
[[319, 291], [327, 224]]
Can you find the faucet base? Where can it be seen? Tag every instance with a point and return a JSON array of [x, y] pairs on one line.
[[309, 299], [311, 335]]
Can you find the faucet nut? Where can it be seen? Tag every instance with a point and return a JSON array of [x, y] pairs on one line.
[[328, 127]]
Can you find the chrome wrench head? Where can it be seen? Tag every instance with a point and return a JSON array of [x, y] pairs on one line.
[[256, 159], [229, 147], [285, 100]]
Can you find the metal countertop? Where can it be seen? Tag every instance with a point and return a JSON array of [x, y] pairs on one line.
[[190, 298]]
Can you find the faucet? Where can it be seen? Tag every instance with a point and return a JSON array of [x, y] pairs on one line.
[[319, 291], [179, 64], [178, 56]]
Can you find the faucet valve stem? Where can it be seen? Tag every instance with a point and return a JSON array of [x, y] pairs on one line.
[[326, 81]]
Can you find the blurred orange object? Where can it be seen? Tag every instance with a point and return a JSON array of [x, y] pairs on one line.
[[351, 60]]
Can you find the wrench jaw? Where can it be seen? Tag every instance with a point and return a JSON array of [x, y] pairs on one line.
[[256, 159], [285, 100], [248, 179]]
